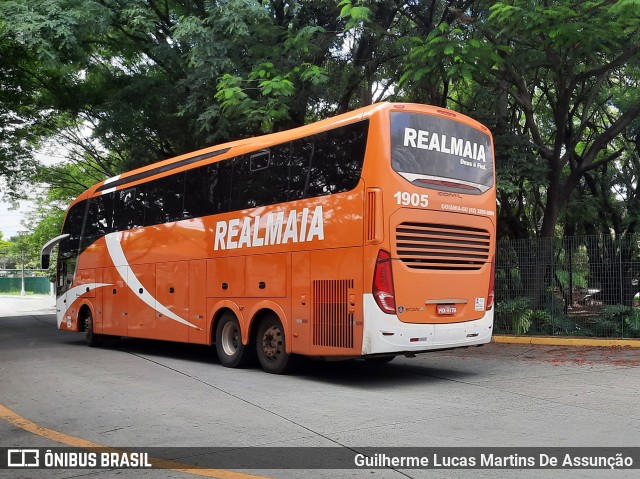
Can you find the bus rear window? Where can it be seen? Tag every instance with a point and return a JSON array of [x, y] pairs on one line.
[[441, 153]]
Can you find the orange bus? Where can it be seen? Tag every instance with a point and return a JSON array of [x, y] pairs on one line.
[[370, 234]]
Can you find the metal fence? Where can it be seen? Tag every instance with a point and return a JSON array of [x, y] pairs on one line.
[[12, 269], [32, 284], [575, 286]]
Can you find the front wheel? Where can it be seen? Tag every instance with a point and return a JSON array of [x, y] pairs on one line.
[[91, 338], [271, 346], [231, 352]]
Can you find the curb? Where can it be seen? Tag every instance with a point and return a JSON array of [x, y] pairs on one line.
[[555, 341]]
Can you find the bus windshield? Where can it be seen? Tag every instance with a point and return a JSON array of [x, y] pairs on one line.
[[439, 153]]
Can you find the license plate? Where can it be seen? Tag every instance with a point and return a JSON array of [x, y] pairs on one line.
[[446, 309]]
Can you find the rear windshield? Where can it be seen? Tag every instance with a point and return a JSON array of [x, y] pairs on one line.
[[426, 147]]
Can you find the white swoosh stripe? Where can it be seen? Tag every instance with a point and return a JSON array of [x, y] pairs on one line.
[[120, 261], [61, 303]]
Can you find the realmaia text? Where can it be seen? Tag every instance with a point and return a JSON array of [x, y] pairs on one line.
[[440, 143], [251, 231]]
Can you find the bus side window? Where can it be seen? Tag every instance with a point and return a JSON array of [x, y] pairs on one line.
[[277, 179], [199, 183], [164, 200], [220, 191], [261, 178], [99, 219], [322, 166], [129, 208], [337, 160], [243, 190], [260, 160], [301, 154], [205, 194]]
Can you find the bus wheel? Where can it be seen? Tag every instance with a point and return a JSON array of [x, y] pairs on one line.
[[231, 352], [271, 346], [91, 338]]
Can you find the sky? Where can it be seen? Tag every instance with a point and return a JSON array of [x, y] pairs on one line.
[[10, 220]]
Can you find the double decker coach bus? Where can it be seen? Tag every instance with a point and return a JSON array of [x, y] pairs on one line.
[[371, 234]]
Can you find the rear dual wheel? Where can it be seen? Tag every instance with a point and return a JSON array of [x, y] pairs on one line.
[[271, 346], [231, 352]]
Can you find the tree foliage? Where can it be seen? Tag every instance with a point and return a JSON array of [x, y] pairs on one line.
[[115, 84], [565, 76]]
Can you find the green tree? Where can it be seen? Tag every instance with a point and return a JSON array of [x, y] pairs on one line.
[[571, 72], [565, 78], [23, 120], [120, 84], [125, 83]]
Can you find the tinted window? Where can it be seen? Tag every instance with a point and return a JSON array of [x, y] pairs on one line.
[[259, 161], [279, 174], [99, 219], [299, 171], [440, 148], [222, 191], [198, 198], [337, 160], [73, 227], [244, 186], [199, 185], [164, 200], [129, 208], [323, 164], [207, 190], [260, 179]]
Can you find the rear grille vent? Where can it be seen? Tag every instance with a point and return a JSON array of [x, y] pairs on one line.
[[442, 247], [332, 321], [371, 216]]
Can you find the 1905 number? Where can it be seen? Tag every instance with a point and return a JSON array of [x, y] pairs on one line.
[[405, 198]]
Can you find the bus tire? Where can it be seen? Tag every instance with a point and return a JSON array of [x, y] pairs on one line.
[[90, 336], [271, 346], [231, 352]]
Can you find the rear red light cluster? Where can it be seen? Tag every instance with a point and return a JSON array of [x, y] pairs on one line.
[[383, 291]]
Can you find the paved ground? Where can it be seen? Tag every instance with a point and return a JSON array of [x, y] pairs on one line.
[[16, 305], [144, 393]]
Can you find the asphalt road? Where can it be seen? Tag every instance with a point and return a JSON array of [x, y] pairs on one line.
[[135, 393]]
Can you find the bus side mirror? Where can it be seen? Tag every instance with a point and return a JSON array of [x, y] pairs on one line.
[[45, 254], [44, 261]]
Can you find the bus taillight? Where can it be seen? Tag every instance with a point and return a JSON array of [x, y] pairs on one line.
[[492, 279], [383, 291]]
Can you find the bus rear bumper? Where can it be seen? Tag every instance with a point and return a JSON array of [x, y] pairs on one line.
[[385, 333]]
